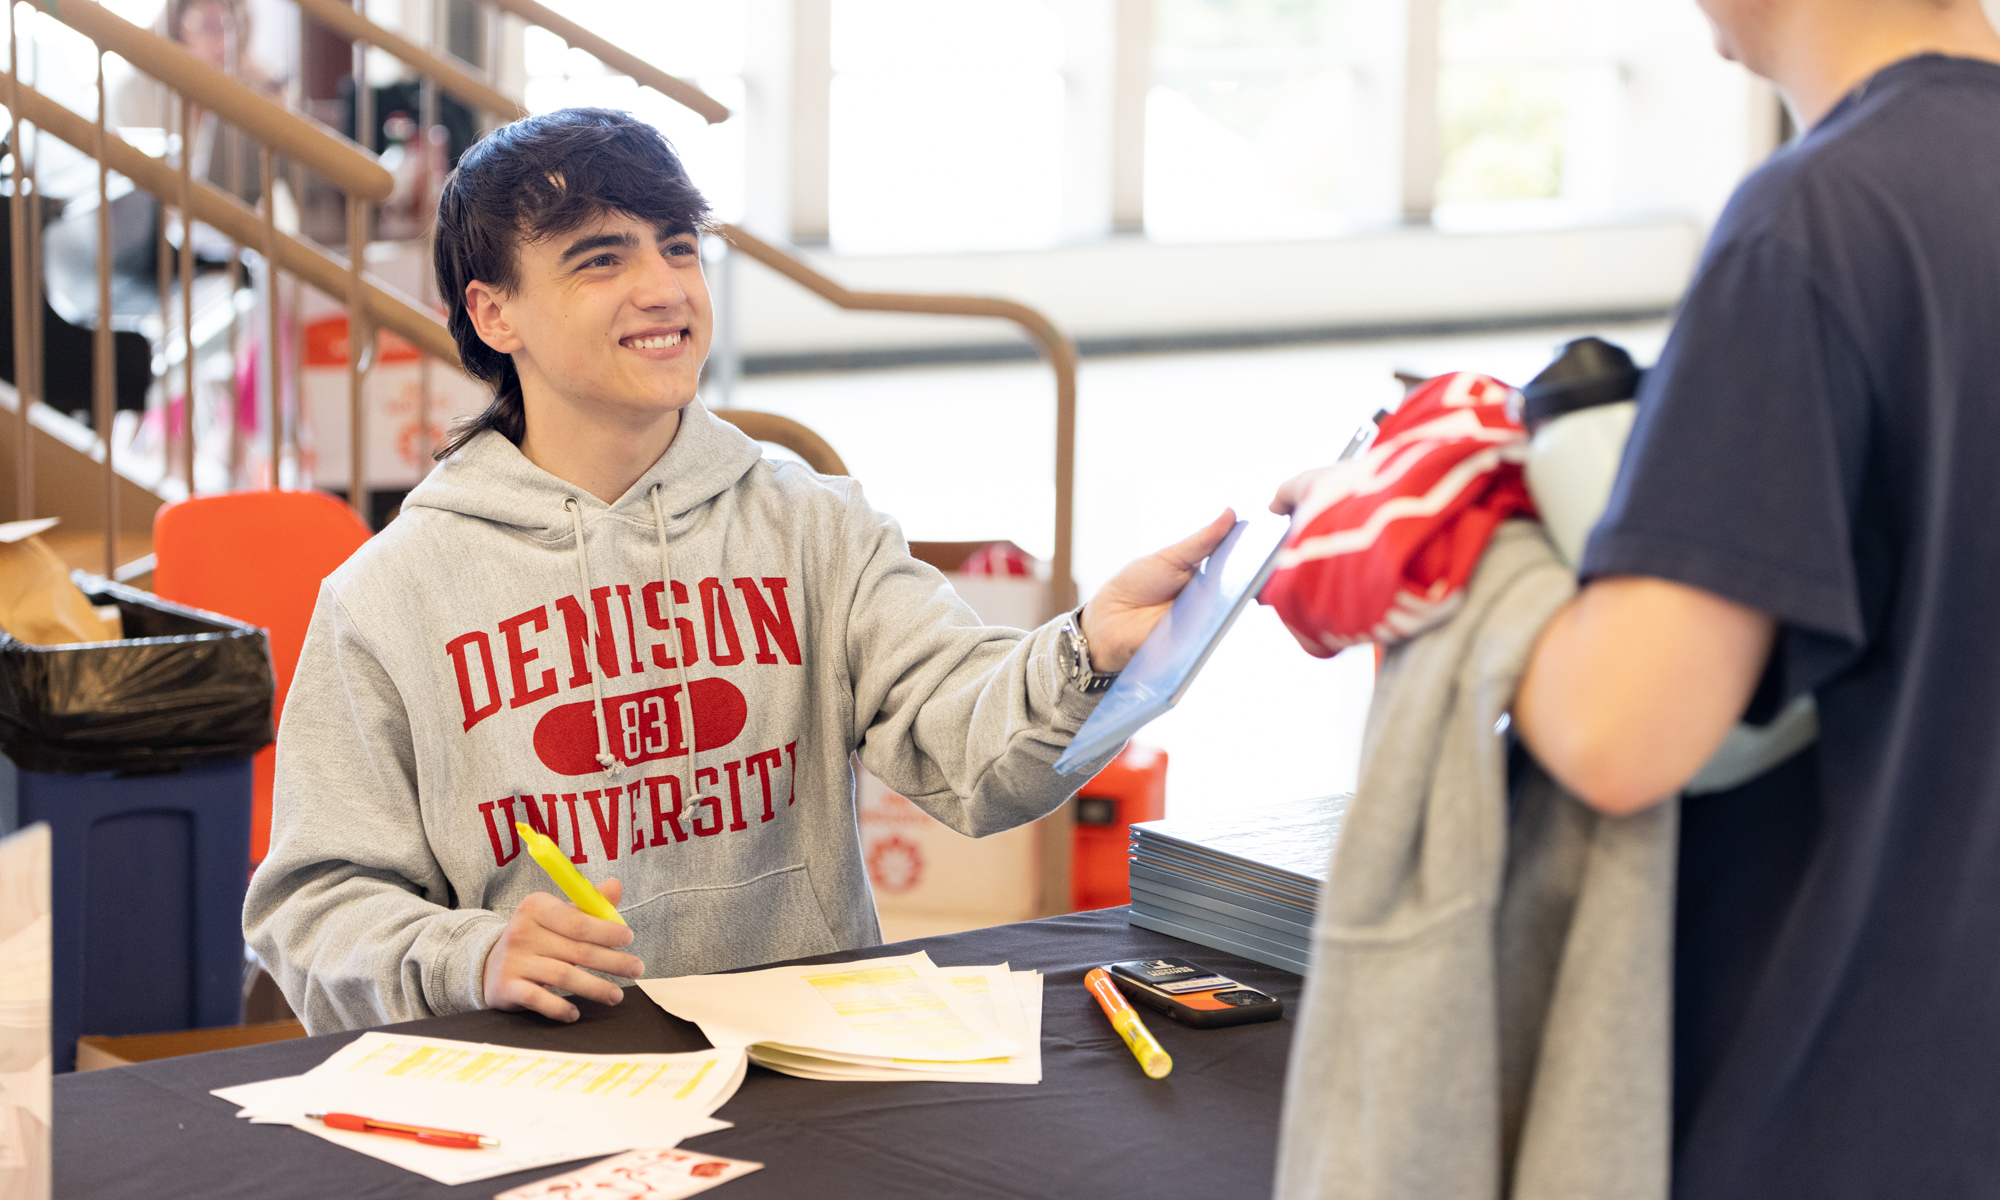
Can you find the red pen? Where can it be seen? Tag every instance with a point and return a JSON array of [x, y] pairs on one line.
[[449, 1139]]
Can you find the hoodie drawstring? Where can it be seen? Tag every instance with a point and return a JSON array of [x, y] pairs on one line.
[[673, 635], [610, 762]]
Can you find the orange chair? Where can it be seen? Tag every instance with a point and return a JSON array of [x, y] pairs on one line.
[[258, 557]]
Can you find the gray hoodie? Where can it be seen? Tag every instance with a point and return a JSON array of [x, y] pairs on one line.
[[668, 686], [1489, 1008]]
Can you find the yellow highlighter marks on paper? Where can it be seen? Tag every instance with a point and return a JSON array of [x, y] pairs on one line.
[[581, 891]]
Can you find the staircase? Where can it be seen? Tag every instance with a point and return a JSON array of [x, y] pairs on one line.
[[106, 488]]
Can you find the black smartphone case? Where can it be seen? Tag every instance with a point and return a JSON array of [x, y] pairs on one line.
[[1205, 1007]]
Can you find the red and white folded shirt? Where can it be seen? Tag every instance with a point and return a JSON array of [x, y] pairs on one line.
[[1382, 544]]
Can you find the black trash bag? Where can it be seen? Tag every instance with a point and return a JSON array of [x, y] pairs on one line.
[[184, 686]]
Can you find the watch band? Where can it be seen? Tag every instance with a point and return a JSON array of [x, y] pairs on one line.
[[1075, 651]]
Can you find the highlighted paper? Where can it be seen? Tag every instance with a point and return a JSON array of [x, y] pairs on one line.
[[897, 1006], [878, 1019], [887, 1007], [543, 1107], [1012, 1000]]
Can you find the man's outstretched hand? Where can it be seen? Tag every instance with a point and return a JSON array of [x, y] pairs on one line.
[[1124, 611], [546, 944]]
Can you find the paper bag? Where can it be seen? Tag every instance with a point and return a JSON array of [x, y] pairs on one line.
[[38, 603]]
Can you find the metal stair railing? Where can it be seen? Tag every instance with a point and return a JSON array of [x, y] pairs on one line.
[[351, 168], [1057, 348], [356, 171], [1055, 345], [387, 306], [277, 130], [449, 77], [618, 58]]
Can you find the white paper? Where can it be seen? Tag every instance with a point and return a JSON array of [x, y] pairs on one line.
[[543, 1107], [1012, 1001], [653, 1174], [902, 1007], [25, 973]]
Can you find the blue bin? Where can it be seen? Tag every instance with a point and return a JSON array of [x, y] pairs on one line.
[[136, 753], [147, 886]]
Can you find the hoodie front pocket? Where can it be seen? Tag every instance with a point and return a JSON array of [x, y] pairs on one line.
[[695, 931]]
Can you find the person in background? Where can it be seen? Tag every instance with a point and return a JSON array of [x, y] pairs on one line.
[[218, 33], [1806, 505]]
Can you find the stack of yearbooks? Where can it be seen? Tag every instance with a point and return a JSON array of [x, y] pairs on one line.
[[1246, 883]]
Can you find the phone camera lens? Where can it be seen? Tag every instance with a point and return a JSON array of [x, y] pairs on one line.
[[1241, 997]]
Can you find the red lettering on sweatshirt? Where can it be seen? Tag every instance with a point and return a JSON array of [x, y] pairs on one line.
[[576, 628], [736, 822], [607, 639], [715, 613], [548, 822], [519, 656], [575, 831], [771, 624], [763, 763], [793, 793], [665, 819], [501, 857], [774, 619], [655, 619], [460, 648], [712, 803], [631, 631], [615, 811], [608, 831], [543, 823], [642, 726]]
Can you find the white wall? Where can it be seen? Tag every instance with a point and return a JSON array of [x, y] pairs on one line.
[[1132, 287]]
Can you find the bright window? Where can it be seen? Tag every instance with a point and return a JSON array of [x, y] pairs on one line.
[[1251, 121], [1584, 107], [1503, 98], [703, 44], [947, 125]]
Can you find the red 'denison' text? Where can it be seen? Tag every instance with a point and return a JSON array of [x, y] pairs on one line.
[[515, 666]]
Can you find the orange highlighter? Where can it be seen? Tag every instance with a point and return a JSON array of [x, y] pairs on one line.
[[1153, 1060]]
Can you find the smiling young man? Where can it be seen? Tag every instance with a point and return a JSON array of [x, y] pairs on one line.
[[607, 617]]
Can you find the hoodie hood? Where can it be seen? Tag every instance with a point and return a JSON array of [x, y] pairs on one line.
[[492, 480]]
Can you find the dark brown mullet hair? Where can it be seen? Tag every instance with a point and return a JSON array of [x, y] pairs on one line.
[[542, 177]]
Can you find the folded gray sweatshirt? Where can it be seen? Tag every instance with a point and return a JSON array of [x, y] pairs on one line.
[[669, 687], [1489, 1007]]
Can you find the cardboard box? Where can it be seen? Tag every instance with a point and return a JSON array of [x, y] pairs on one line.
[[398, 446], [921, 868], [928, 876]]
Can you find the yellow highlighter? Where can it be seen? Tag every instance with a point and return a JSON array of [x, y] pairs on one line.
[[580, 891], [1153, 1060]]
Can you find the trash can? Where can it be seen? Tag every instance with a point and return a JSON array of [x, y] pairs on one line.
[[137, 755]]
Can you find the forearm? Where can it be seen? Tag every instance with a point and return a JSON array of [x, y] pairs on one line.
[[350, 909], [978, 750], [350, 949], [1634, 684]]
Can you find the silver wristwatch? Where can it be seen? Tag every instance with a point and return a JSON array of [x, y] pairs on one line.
[[1074, 652]]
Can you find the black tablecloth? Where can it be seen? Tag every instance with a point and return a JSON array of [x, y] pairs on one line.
[[1094, 1127]]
